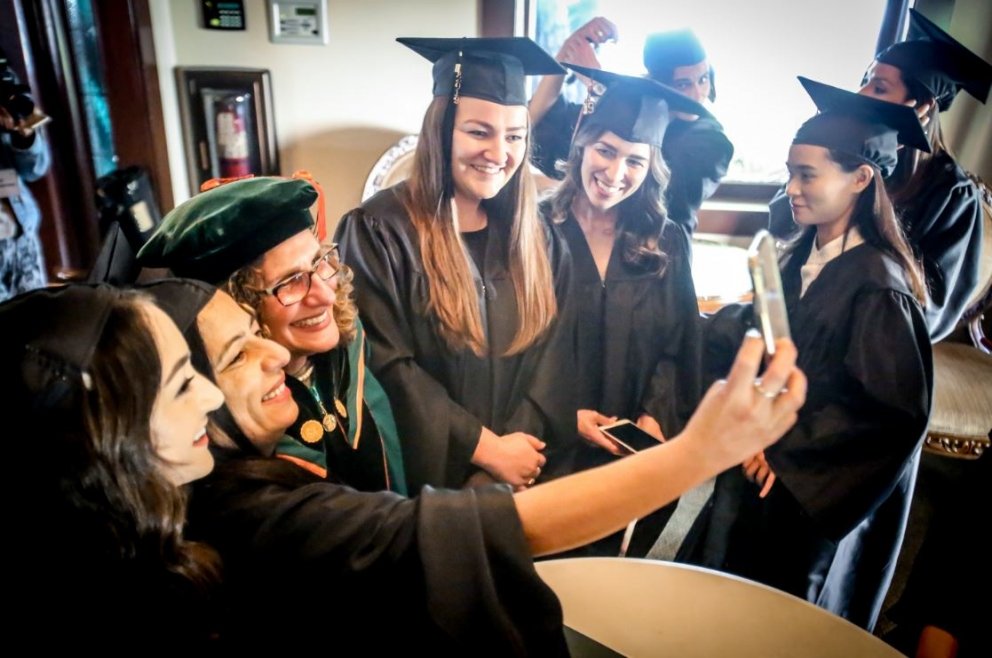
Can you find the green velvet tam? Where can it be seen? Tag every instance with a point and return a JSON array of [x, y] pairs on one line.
[[217, 232]]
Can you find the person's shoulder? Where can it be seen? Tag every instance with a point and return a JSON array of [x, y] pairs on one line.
[[947, 174], [383, 214], [387, 204], [875, 270], [675, 240]]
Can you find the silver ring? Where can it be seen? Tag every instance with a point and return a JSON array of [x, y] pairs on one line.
[[530, 481], [764, 393]]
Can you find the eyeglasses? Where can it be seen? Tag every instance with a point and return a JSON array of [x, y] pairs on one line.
[[295, 287]]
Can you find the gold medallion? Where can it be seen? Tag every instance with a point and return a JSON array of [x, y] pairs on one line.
[[329, 422], [342, 410], [311, 431]]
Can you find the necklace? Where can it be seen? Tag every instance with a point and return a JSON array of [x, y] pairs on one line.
[[312, 431]]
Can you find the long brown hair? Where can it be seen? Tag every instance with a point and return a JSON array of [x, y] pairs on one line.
[[115, 485], [641, 216], [877, 222], [513, 211]]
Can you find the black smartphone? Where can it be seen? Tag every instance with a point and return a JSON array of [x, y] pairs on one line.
[[769, 301], [629, 437]]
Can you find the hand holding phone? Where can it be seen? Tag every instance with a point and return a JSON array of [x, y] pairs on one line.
[[769, 299], [628, 437]]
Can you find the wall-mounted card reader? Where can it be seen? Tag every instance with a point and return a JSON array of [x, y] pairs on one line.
[[223, 14], [298, 21]]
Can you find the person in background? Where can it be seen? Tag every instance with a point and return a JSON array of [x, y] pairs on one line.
[[459, 282], [695, 147], [446, 571], [24, 158], [636, 337], [938, 203], [822, 514], [110, 421]]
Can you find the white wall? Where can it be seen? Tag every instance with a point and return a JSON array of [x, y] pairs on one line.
[[337, 107]]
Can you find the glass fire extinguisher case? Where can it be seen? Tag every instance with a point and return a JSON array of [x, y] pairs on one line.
[[228, 123]]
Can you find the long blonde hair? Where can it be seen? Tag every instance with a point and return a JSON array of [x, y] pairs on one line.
[[451, 289]]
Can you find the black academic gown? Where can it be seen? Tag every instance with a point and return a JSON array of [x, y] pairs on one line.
[[442, 397], [845, 469], [943, 224], [316, 565], [636, 346], [697, 153]]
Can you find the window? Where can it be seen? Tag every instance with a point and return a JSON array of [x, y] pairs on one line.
[[757, 49]]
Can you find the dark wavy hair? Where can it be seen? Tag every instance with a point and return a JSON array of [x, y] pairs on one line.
[[112, 481], [642, 215], [876, 220]]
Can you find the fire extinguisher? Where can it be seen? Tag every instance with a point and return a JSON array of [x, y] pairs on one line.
[[232, 136]]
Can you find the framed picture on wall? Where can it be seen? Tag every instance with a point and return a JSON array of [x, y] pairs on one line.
[[228, 123]]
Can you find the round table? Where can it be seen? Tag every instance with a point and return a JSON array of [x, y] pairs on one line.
[[651, 608]]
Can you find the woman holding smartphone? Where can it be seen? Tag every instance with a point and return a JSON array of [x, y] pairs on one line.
[[822, 514], [448, 571], [636, 340], [459, 282]]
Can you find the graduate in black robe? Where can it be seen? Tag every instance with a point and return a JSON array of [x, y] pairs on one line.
[[635, 340], [831, 525], [695, 147], [938, 203], [452, 396]]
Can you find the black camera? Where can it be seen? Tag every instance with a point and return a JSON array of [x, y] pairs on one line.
[[14, 96]]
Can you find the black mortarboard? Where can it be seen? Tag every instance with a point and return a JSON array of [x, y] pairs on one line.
[[861, 126], [664, 51], [492, 69], [217, 232], [635, 109], [939, 62], [181, 299], [50, 336]]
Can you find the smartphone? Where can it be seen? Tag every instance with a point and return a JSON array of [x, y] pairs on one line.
[[629, 437], [36, 120], [769, 300]]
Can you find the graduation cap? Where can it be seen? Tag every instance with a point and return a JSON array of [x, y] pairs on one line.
[[492, 69], [939, 62], [217, 232], [50, 337], [633, 108], [861, 126]]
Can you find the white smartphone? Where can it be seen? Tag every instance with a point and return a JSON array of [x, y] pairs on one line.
[[628, 437], [769, 300]]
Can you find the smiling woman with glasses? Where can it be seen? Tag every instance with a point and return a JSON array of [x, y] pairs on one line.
[[255, 238], [293, 288]]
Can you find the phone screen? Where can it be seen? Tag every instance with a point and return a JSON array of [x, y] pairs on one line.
[[769, 300], [629, 437]]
